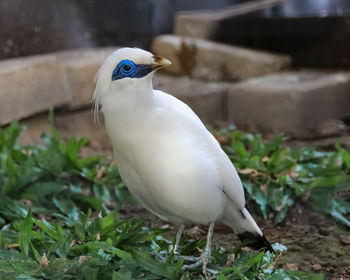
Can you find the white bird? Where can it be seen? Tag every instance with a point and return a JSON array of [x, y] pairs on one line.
[[167, 158]]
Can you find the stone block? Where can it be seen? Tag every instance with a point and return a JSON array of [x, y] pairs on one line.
[[206, 99], [297, 103], [31, 85], [81, 66], [205, 24], [212, 61]]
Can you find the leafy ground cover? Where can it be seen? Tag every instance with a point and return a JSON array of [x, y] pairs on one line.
[[275, 176], [59, 212]]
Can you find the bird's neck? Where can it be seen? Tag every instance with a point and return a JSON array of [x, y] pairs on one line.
[[131, 98], [128, 108], [126, 113]]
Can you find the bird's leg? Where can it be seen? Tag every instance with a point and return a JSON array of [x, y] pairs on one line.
[[207, 252], [162, 258], [176, 249], [177, 242], [205, 257], [177, 246]]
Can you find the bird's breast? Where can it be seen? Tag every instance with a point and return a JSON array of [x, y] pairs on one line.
[[172, 173]]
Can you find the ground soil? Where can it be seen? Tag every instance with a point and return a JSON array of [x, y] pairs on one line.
[[316, 243]]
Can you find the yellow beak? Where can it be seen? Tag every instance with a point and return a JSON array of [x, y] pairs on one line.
[[160, 62]]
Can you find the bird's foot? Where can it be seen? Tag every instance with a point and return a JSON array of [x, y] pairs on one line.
[[203, 260], [164, 258]]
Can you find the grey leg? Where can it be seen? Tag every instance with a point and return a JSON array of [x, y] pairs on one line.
[[178, 238], [176, 249], [209, 239], [205, 258], [177, 246]]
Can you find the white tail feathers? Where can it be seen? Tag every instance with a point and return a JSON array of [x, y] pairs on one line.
[[239, 220], [251, 222]]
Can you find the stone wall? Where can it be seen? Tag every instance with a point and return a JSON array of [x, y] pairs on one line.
[[41, 26]]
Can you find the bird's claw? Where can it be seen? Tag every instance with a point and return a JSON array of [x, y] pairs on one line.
[[159, 256], [203, 260]]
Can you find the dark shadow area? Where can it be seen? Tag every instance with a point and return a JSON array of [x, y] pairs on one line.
[[314, 33]]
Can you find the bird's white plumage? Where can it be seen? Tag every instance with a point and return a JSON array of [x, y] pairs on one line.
[[168, 159]]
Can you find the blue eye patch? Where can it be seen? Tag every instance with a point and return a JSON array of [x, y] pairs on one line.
[[128, 69]]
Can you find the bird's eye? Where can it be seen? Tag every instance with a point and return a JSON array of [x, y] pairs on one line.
[[126, 67]]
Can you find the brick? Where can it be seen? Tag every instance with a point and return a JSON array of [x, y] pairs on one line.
[[204, 24], [206, 99], [81, 66], [31, 85], [211, 61], [297, 103]]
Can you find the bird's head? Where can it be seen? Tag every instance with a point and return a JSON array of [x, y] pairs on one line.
[[125, 68]]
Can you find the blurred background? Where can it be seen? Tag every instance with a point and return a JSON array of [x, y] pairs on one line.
[[314, 32], [264, 66]]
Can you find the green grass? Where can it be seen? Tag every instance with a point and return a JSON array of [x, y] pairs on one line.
[[59, 211], [275, 177]]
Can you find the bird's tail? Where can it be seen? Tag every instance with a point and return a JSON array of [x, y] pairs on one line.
[[256, 241], [243, 224], [257, 238]]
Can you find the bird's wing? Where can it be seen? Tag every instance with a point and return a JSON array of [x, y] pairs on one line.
[[231, 183]]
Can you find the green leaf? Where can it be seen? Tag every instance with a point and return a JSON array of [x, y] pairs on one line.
[[345, 155], [339, 182], [95, 246], [68, 208], [281, 215], [62, 246], [144, 260], [178, 269], [321, 200], [89, 273], [122, 275], [221, 277], [259, 197], [278, 198], [14, 255], [35, 252], [305, 276], [25, 232], [42, 190], [108, 220], [239, 149], [274, 145], [11, 135], [95, 202], [19, 267], [47, 228]]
